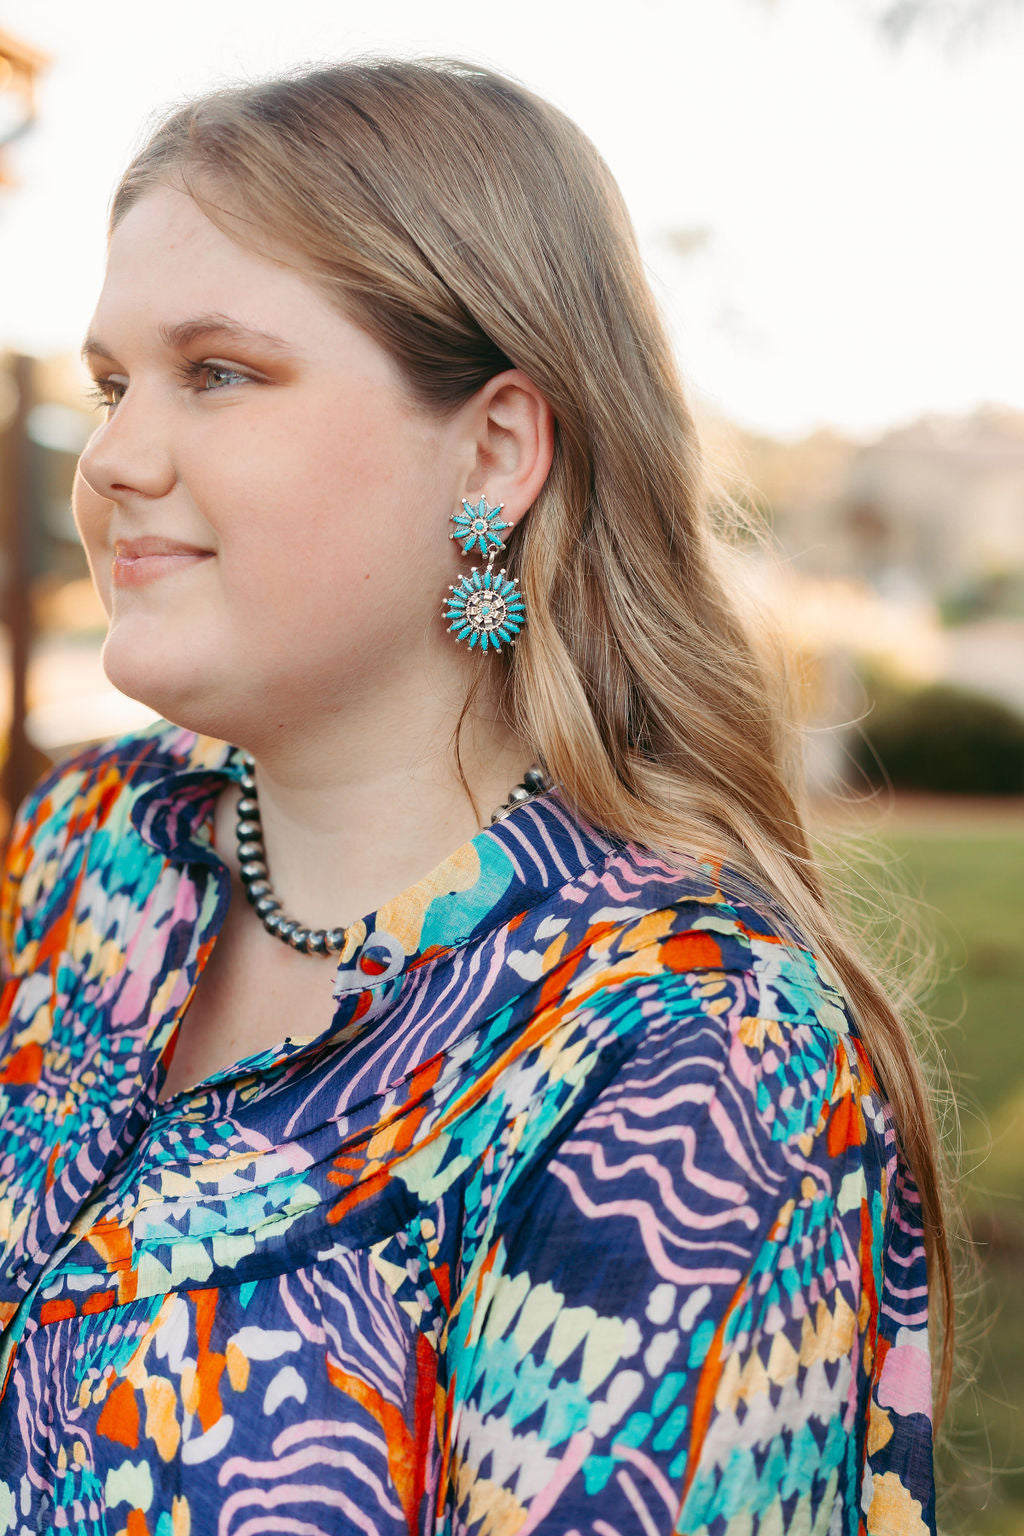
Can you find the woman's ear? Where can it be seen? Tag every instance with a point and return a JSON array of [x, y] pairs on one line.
[[514, 430]]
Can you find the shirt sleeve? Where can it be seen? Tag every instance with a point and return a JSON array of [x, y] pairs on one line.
[[680, 1317]]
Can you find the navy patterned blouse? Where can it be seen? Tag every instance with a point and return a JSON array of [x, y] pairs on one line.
[[585, 1215]]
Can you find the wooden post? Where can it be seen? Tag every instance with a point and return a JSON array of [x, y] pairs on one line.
[[21, 763], [20, 67]]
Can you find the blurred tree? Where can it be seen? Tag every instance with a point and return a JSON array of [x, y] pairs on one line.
[[687, 239], [962, 21], [20, 67], [959, 22], [941, 740]]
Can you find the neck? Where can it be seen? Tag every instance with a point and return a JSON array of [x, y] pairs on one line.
[[345, 833]]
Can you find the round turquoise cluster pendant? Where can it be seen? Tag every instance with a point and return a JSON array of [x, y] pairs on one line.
[[485, 609]]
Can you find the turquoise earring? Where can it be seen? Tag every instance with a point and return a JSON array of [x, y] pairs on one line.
[[485, 608]]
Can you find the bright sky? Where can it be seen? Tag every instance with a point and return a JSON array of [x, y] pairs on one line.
[[866, 245]]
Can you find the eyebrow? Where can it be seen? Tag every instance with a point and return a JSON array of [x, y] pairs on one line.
[[184, 333]]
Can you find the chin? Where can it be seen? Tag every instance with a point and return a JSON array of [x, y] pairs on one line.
[[204, 684], [175, 686]]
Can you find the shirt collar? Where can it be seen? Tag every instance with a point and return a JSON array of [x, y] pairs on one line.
[[503, 871]]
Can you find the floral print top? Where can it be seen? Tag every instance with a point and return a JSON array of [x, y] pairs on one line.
[[586, 1214]]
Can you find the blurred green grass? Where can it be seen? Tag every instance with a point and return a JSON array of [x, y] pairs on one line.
[[962, 868]]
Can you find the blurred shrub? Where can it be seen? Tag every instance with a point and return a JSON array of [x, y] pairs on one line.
[[999, 595], [940, 739]]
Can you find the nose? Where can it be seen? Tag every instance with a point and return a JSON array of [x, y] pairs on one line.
[[127, 455]]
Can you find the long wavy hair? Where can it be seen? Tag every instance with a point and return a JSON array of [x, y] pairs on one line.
[[469, 226]]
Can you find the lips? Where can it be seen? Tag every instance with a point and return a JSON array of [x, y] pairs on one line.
[[146, 559], [145, 548]]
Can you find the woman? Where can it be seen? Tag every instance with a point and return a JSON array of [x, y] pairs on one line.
[[561, 1192]]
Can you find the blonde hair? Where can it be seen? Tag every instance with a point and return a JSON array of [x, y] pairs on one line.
[[469, 226]]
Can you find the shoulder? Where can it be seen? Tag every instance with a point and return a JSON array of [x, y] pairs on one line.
[[696, 1080], [691, 929], [694, 975], [85, 795], [701, 1024]]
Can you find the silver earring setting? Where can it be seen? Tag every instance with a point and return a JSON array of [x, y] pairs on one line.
[[484, 608]]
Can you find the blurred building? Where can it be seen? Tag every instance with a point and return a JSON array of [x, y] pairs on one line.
[[941, 500], [926, 509]]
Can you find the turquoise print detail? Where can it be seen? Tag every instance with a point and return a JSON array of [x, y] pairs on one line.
[[480, 527], [485, 609]]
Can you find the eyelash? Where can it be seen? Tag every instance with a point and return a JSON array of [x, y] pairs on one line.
[[189, 372]]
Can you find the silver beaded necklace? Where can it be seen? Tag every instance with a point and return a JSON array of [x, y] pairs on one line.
[[252, 860]]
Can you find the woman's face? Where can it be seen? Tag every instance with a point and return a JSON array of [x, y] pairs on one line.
[[264, 510]]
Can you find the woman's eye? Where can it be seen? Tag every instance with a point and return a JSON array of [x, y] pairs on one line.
[[218, 375], [203, 377], [106, 393]]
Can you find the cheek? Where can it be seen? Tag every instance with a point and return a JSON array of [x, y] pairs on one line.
[[92, 519], [338, 492]]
